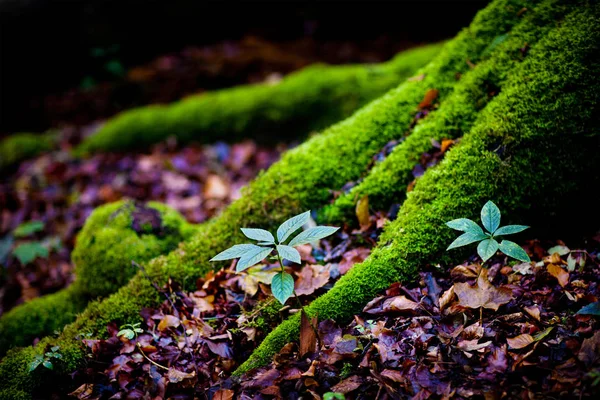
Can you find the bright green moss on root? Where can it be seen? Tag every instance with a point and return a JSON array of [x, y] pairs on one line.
[[113, 236], [387, 182], [533, 153], [303, 178], [21, 146], [307, 100]]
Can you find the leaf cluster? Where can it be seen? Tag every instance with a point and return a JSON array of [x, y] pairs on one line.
[[250, 254], [130, 331], [488, 245], [45, 359]]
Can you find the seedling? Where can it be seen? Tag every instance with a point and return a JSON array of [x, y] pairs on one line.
[[282, 284], [130, 331], [45, 359], [488, 245]]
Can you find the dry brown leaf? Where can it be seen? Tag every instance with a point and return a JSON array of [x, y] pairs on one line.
[[176, 375], [400, 303], [482, 294], [429, 98], [559, 273], [446, 298], [311, 278], [589, 353], [362, 213], [308, 337], [223, 394], [533, 311], [168, 321], [472, 345], [520, 342], [216, 188], [348, 385], [352, 257]]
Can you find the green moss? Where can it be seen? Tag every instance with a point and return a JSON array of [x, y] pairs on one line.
[[387, 182], [533, 153], [105, 248], [304, 178], [21, 146], [308, 100]]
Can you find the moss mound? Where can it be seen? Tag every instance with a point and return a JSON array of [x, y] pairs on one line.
[[113, 236], [21, 146], [308, 100], [542, 115]]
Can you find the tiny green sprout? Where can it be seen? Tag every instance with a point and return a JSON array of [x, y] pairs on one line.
[[282, 284], [45, 359], [130, 331], [334, 396], [488, 245]]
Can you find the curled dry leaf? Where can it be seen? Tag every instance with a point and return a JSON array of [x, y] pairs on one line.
[[533, 311], [176, 375], [482, 294], [224, 394], [520, 342], [446, 298], [311, 278], [168, 321], [559, 273]]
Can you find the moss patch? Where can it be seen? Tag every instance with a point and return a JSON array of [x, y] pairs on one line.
[[21, 146], [308, 100], [533, 153], [113, 236]]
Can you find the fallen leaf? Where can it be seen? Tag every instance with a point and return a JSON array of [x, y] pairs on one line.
[[561, 250], [533, 311], [523, 269], [308, 337], [429, 98], [482, 294], [560, 274], [362, 213], [216, 188], [223, 394], [352, 257], [176, 375], [472, 345], [311, 278], [400, 303], [446, 143], [520, 342], [348, 385], [590, 309], [168, 321], [589, 353], [446, 298]]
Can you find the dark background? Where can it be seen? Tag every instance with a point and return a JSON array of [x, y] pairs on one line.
[[45, 46]]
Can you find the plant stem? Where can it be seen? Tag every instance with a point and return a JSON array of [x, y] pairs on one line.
[[298, 300]]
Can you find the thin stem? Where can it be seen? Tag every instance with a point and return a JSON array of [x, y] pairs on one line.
[[139, 346], [298, 299]]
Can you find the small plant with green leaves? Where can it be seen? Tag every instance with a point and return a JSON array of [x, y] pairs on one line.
[[282, 284], [130, 331], [46, 359], [488, 245]]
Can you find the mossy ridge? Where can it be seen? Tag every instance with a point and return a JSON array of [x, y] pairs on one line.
[[300, 181], [542, 131], [105, 247], [388, 180], [21, 146], [308, 100]]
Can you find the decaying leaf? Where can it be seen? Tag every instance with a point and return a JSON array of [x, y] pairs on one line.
[[176, 375], [168, 321], [520, 342], [482, 294], [559, 273], [308, 336], [362, 212]]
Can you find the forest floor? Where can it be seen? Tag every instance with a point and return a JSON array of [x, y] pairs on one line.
[[507, 330]]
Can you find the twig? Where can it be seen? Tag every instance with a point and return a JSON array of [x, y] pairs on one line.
[[139, 346]]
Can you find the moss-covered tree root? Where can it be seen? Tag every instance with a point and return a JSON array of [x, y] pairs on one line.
[[303, 179], [308, 100], [21, 146], [388, 180], [534, 154], [113, 235]]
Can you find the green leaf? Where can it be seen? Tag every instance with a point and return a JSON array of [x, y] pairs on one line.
[[35, 363], [128, 333], [510, 229], [334, 396], [54, 348], [57, 355], [282, 286], [590, 309], [252, 257], [48, 364], [292, 225], [487, 248], [27, 252], [234, 252], [312, 235], [289, 253], [28, 228], [467, 238], [259, 234], [513, 250], [465, 225], [490, 217]]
